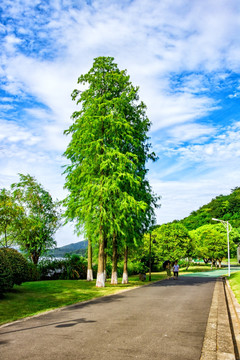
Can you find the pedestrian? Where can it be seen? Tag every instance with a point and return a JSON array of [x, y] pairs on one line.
[[167, 267], [175, 270]]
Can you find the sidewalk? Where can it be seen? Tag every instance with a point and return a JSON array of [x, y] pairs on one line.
[[222, 337]]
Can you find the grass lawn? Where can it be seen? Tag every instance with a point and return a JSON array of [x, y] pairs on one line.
[[196, 269], [235, 284], [32, 298]]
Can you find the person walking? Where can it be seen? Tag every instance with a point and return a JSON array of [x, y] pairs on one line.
[[175, 270], [167, 267]]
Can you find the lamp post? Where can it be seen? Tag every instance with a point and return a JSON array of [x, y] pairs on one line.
[[150, 255], [228, 227]]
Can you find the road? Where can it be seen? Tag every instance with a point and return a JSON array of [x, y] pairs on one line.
[[165, 321]]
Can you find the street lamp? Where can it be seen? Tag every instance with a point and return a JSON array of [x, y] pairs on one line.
[[228, 227], [150, 254]]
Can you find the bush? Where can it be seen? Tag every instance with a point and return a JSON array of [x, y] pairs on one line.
[[14, 269], [6, 276], [33, 272], [76, 267], [73, 267], [19, 265], [134, 268], [52, 269]]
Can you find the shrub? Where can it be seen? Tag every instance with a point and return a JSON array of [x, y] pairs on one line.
[[19, 265], [13, 269], [6, 276], [52, 269], [76, 267], [33, 272], [71, 268], [134, 268]]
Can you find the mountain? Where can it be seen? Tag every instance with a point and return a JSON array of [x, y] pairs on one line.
[[223, 207], [79, 248]]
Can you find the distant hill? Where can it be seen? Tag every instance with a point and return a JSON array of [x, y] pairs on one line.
[[79, 248], [224, 207]]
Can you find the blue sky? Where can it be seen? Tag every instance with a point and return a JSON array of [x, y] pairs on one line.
[[184, 55]]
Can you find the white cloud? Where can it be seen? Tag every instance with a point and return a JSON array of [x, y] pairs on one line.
[[13, 133], [180, 198], [224, 149], [190, 132], [176, 51]]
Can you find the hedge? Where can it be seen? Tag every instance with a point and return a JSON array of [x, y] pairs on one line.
[[14, 269]]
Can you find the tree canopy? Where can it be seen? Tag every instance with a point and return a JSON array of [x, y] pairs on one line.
[[10, 215], [211, 242], [40, 217]]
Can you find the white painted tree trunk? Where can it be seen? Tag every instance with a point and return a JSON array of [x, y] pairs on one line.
[[100, 280], [114, 278], [125, 278], [89, 275]]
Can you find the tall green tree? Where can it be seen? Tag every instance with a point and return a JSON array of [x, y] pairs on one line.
[[172, 242], [40, 218], [107, 155], [211, 242], [10, 214]]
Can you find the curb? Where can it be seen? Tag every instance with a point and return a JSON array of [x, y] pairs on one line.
[[218, 342]]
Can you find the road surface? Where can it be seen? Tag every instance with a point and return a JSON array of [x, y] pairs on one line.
[[165, 321]]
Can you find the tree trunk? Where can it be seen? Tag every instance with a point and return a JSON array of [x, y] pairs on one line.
[[35, 258], [114, 278], [125, 272], [5, 236], [100, 274], [188, 263], [89, 269], [220, 263], [105, 265]]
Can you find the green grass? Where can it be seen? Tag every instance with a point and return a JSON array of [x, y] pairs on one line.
[[233, 261], [196, 269], [32, 298], [235, 284]]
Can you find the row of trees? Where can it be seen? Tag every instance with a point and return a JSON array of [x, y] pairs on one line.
[[110, 198], [28, 217], [174, 242]]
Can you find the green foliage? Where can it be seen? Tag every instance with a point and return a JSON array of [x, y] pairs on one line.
[[76, 267], [40, 217], [235, 284], [224, 207], [109, 195], [73, 267], [14, 269], [172, 242], [10, 213], [6, 275], [211, 242], [19, 265], [134, 268]]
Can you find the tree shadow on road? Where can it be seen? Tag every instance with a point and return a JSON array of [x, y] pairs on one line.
[[59, 324]]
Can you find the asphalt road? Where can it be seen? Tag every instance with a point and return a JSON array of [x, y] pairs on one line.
[[164, 321]]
